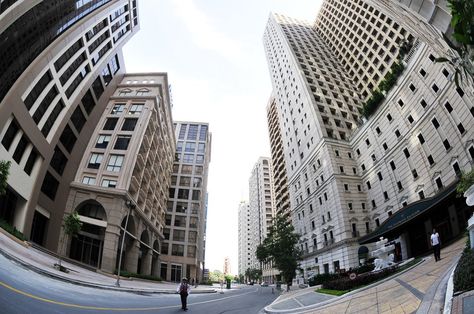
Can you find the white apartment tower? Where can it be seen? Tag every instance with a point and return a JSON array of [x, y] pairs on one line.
[[183, 248], [244, 238], [348, 176]]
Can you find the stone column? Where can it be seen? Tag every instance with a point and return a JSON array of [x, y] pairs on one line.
[[470, 228], [146, 263], [131, 257], [110, 249]]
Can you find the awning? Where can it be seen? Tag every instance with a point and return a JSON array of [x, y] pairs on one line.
[[408, 213]]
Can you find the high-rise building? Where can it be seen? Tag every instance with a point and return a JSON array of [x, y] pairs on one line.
[[183, 249], [262, 211], [244, 238], [227, 270], [123, 179], [394, 170], [280, 179], [60, 63]]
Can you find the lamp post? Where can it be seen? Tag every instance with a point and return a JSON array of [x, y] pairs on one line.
[[130, 206]]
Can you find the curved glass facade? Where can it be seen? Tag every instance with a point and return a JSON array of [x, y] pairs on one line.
[[35, 30]]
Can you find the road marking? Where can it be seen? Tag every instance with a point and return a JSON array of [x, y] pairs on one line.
[[32, 296]]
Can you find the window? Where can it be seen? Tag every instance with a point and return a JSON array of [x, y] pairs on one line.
[[399, 185], [446, 144], [95, 160], [31, 161], [129, 124], [406, 152], [188, 158], [52, 118], [385, 195], [439, 183], [423, 103], [190, 147], [20, 148], [97, 87], [369, 186], [201, 148], [108, 183], [122, 142], [102, 141], [196, 195], [88, 102], [461, 128], [379, 174], [397, 133], [401, 103], [421, 138], [110, 124], [10, 134], [197, 182], [192, 132], [422, 72], [412, 87], [183, 194], [135, 109], [389, 117], [177, 250], [431, 160], [435, 123], [115, 163], [88, 180], [460, 91], [410, 119], [200, 159], [374, 205], [385, 146], [435, 88], [68, 139], [456, 169], [58, 161], [118, 109], [50, 186], [414, 173], [392, 165], [448, 107], [377, 222], [203, 133]]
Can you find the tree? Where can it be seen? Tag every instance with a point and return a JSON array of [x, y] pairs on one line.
[[279, 247], [4, 172], [72, 225], [253, 274], [467, 180], [462, 22], [216, 276]]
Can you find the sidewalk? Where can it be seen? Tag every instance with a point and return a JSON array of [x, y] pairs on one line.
[[42, 263], [420, 289]]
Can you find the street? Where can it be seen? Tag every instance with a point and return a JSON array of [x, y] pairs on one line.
[[25, 291]]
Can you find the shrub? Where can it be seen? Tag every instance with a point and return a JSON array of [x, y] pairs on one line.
[[364, 279], [372, 103], [363, 269], [12, 230], [464, 274], [124, 273], [322, 278]]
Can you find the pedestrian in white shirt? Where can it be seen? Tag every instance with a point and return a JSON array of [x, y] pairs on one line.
[[435, 244]]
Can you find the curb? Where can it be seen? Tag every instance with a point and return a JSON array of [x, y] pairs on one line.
[[93, 285], [328, 302], [448, 299]]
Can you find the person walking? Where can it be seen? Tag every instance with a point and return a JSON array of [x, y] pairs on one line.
[[435, 244], [183, 289]]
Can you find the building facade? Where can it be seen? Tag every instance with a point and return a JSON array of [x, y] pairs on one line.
[[262, 211], [183, 251], [347, 174], [280, 178], [244, 238], [60, 64], [122, 181]]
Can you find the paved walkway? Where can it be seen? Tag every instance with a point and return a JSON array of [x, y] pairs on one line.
[[43, 263], [421, 289], [463, 303]]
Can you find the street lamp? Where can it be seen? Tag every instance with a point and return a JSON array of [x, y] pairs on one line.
[[130, 206]]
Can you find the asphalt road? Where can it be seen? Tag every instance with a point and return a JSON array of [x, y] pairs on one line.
[[24, 291]]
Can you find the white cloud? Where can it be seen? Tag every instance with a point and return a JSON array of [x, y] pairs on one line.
[[204, 33]]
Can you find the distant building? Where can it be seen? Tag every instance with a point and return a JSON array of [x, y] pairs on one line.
[[125, 169], [227, 269], [245, 249], [60, 63], [183, 252]]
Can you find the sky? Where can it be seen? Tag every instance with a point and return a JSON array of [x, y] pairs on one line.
[[213, 53]]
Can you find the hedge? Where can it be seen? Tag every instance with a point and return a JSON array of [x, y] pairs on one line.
[[323, 278], [124, 273], [12, 230], [361, 280], [464, 274]]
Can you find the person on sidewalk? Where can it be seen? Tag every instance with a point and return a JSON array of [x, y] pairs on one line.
[[183, 289], [435, 244]]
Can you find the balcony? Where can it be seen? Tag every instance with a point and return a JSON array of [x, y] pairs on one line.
[[134, 185], [355, 234], [329, 242]]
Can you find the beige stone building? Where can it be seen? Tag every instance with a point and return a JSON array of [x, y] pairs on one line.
[[245, 249], [353, 179], [183, 250], [60, 63], [125, 174]]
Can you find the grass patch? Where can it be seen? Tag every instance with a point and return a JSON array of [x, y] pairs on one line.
[[332, 292], [12, 230]]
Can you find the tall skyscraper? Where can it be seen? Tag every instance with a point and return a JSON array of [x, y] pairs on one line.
[[348, 174], [123, 179], [280, 178], [60, 63], [245, 249], [183, 250]]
